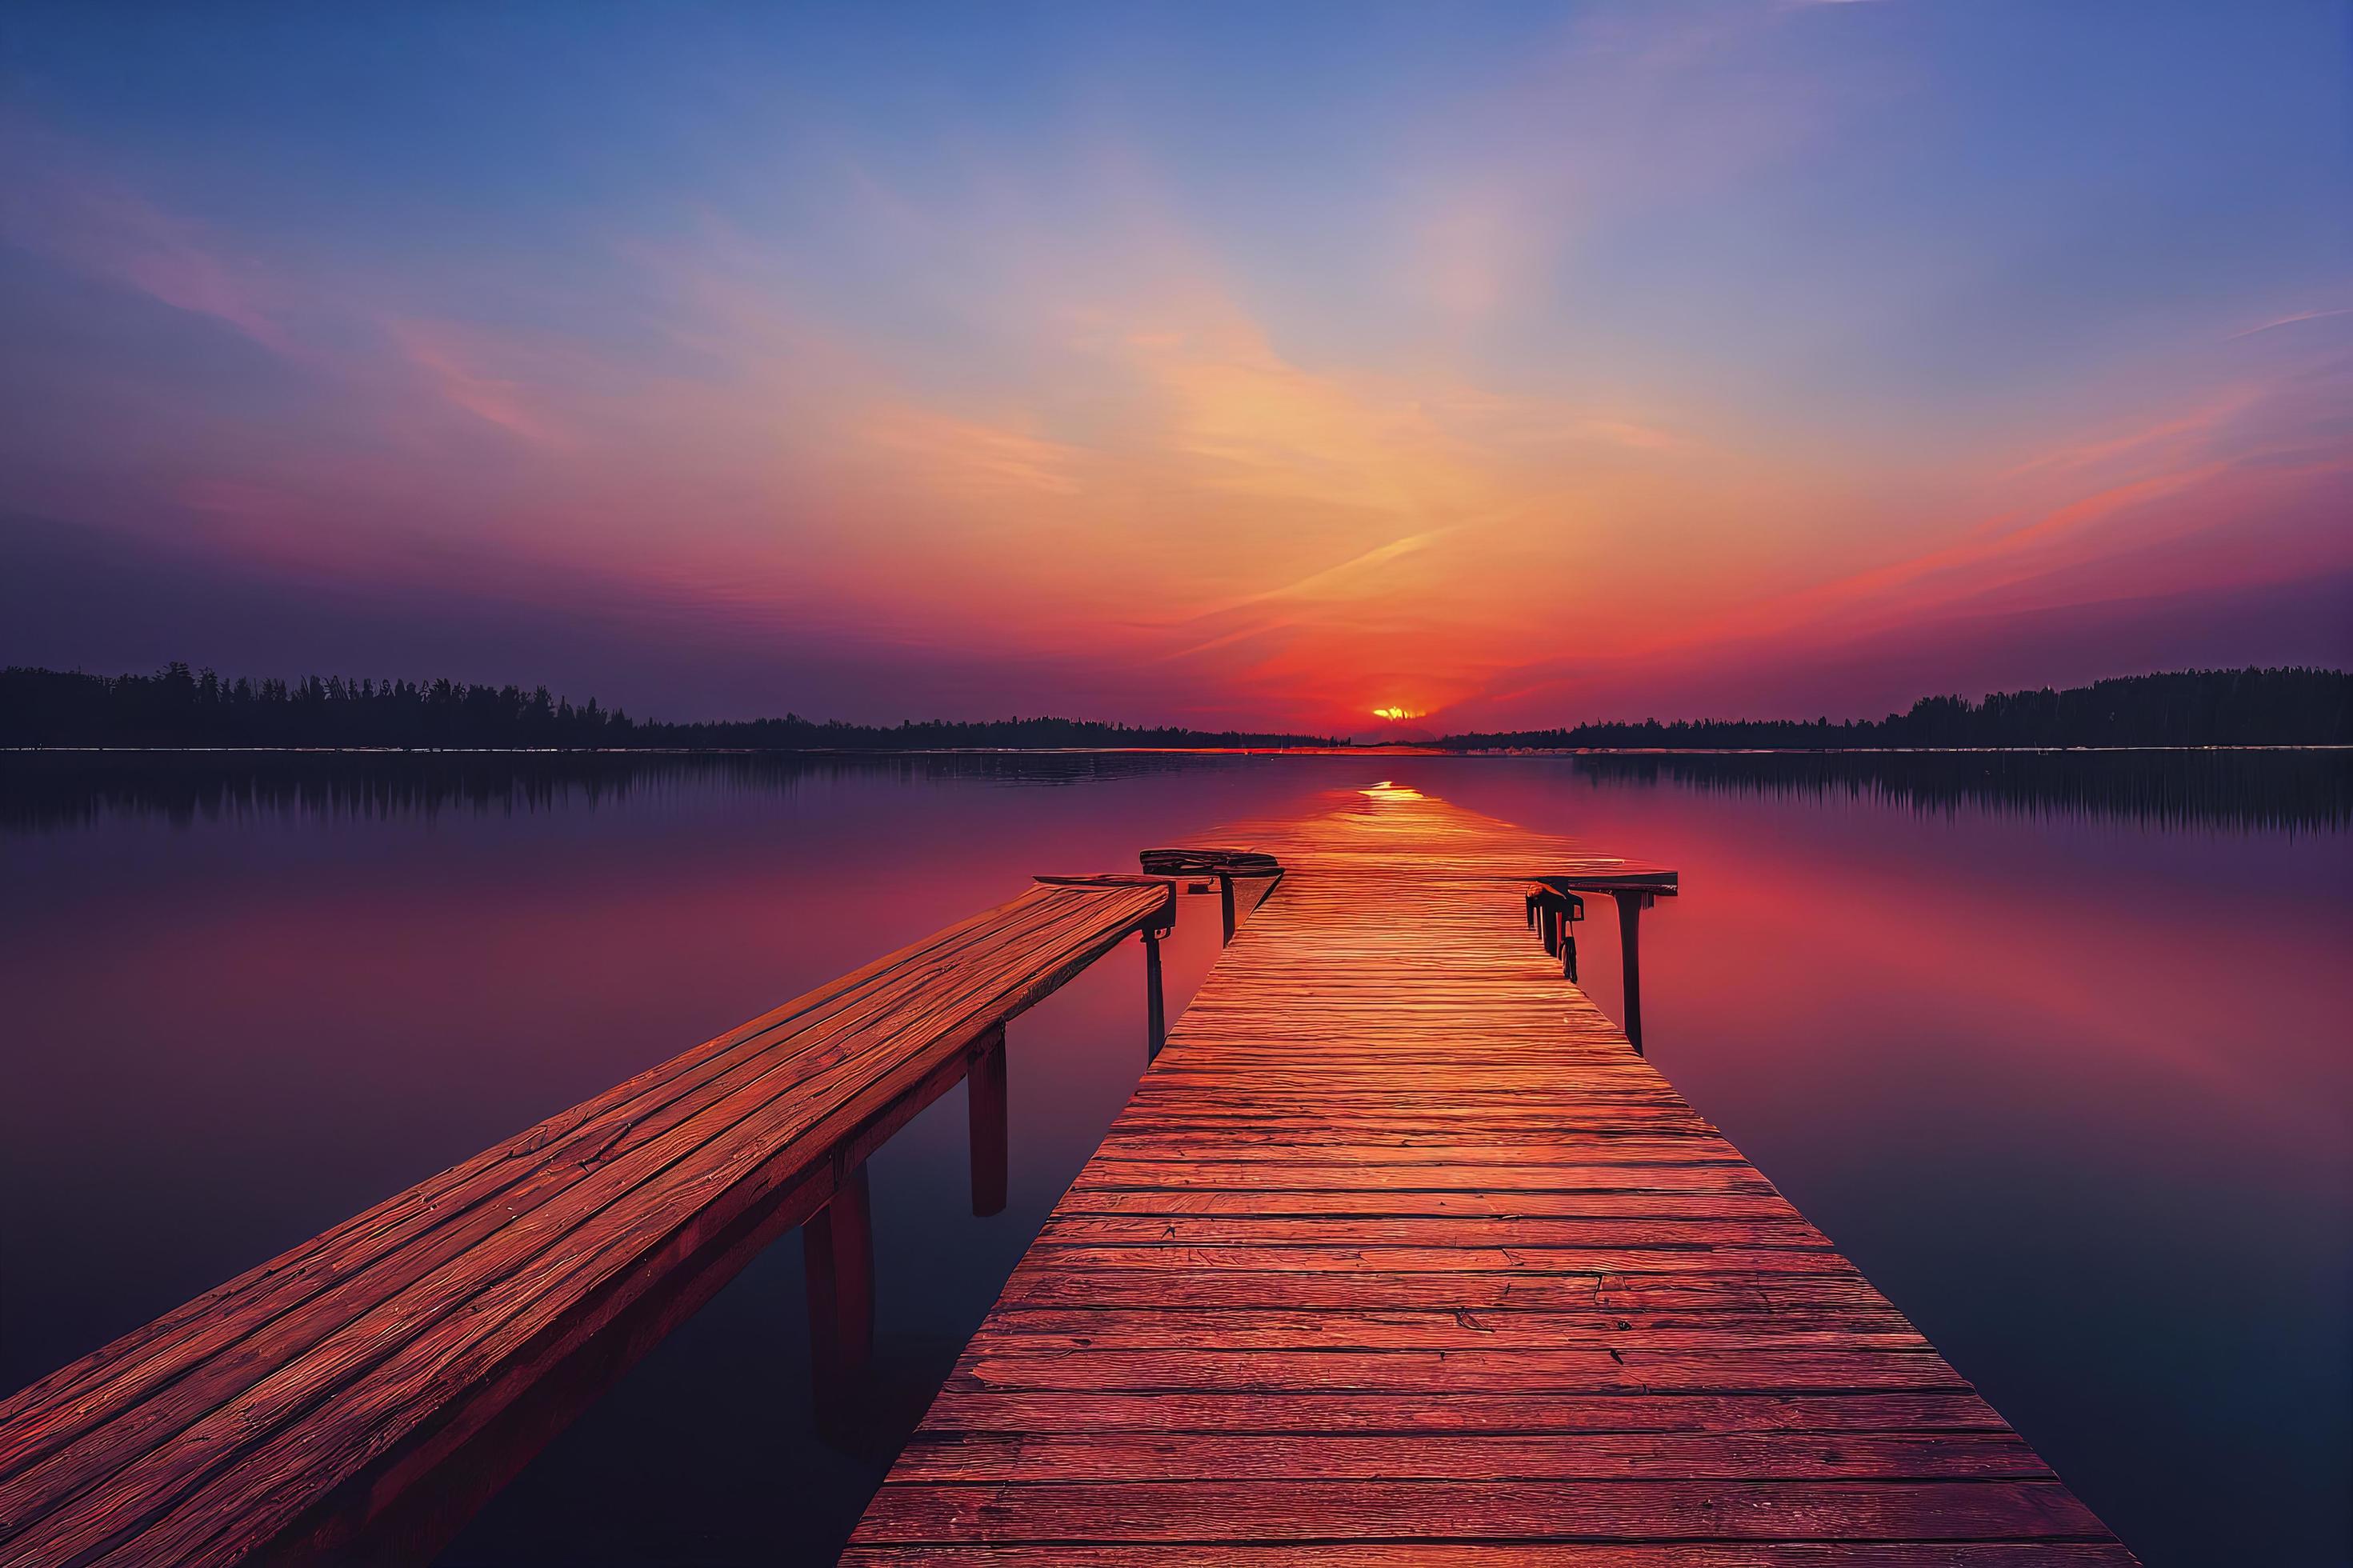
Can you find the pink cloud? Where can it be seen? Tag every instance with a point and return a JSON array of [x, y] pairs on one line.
[[454, 359], [53, 202]]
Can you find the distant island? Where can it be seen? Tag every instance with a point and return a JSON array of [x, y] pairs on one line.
[[180, 707]]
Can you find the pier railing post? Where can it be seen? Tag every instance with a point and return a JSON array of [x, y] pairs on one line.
[[837, 1250], [1226, 907], [1156, 1004], [1630, 937], [984, 1103]]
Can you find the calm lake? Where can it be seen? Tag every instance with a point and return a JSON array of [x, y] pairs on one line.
[[2054, 1048]]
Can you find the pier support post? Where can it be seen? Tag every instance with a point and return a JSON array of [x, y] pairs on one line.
[[1156, 1006], [984, 1104], [1226, 907], [1629, 948], [837, 1250]]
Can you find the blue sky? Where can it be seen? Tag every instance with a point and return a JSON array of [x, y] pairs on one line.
[[1500, 363]]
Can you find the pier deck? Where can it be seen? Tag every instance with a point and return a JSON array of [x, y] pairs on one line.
[[1401, 1252]]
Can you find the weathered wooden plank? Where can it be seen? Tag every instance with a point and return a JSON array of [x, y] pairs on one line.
[[1411, 1204], [1295, 1510], [1040, 1281], [1432, 1412], [1033, 1331], [1351, 1259], [1315, 1169], [1558, 1457], [1006, 1362], [1466, 1231], [1519, 1554], [1570, 1147]]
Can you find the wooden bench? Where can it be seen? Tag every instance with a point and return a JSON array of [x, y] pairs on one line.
[[314, 1405]]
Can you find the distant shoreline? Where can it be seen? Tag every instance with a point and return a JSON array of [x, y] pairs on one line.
[[1373, 751], [199, 711]]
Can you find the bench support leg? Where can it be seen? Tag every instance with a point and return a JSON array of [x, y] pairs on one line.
[[984, 1101], [838, 1249], [1629, 950], [1155, 1007]]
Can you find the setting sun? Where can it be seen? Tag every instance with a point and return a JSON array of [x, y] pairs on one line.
[[1398, 713]]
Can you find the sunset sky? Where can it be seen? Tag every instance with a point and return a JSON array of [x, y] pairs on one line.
[[1259, 364]]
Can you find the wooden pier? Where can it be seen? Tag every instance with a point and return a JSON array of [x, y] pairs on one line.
[[359, 1397], [1401, 1253]]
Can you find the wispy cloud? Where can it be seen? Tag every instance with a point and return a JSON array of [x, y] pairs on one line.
[[454, 361], [2296, 320], [55, 202], [967, 459], [2175, 431]]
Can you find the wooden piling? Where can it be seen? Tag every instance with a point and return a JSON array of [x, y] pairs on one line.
[[1156, 1004], [986, 1118], [837, 1250], [1630, 952]]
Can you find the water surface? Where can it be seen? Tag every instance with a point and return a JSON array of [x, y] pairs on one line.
[[2053, 1047]]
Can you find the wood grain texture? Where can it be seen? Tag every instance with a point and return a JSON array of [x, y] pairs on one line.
[[1399, 1253], [333, 1377], [1361, 1553]]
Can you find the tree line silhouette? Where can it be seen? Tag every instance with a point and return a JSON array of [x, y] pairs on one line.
[[2251, 707], [184, 707]]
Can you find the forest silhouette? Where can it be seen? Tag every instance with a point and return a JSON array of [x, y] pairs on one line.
[[180, 707], [184, 707], [2251, 707]]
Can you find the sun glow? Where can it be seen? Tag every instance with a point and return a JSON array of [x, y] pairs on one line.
[[1398, 713]]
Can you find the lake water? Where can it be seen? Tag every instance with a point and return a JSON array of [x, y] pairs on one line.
[[2055, 1049]]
